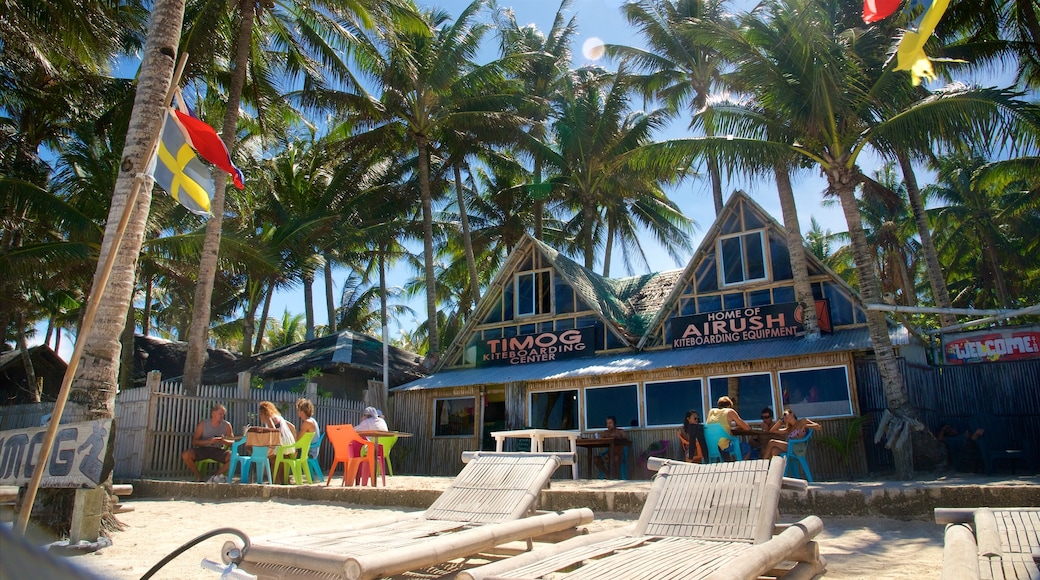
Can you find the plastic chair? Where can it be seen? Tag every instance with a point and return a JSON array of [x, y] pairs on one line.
[[713, 434], [795, 456], [295, 457], [236, 460], [659, 449], [383, 465], [347, 446], [313, 463], [263, 466], [203, 465], [622, 464]]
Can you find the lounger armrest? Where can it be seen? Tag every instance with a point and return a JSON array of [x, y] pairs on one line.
[[565, 457], [761, 558], [960, 554], [503, 568]]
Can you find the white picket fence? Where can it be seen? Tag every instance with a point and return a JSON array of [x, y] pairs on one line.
[[154, 424]]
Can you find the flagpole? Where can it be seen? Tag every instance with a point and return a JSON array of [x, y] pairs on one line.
[[93, 302]]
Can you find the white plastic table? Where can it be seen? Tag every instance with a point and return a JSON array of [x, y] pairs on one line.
[[538, 437]]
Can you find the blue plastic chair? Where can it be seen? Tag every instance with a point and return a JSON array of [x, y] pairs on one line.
[[312, 462], [235, 465], [263, 466], [795, 456], [713, 433]]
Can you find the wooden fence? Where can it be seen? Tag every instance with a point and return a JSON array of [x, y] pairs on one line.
[[154, 424]]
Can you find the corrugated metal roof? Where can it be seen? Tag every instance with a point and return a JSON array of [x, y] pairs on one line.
[[841, 341]]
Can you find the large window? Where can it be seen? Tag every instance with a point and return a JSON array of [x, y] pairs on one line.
[[742, 258], [822, 392], [554, 410], [454, 417], [750, 393], [621, 401], [668, 401], [534, 293]]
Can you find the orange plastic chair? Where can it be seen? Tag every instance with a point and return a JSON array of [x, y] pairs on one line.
[[346, 447]]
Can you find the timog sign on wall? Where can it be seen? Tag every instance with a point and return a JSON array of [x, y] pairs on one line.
[[992, 345], [535, 348], [739, 325]]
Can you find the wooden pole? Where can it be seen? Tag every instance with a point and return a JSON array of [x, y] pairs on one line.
[[93, 302]]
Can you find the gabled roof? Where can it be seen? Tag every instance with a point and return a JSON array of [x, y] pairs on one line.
[[167, 356]]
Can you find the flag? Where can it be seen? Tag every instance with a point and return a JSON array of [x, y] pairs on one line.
[[910, 52], [205, 141], [179, 171], [874, 10]]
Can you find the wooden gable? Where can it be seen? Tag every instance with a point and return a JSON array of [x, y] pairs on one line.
[[550, 305], [743, 266]]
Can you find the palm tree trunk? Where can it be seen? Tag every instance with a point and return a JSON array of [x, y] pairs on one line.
[[308, 306], [382, 314], [843, 182], [27, 364], [608, 249], [262, 329], [990, 251], [467, 242], [146, 315], [716, 183], [539, 203], [330, 300], [931, 258], [799, 266], [433, 350], [198, 338], [254, 292], [587, 241], [126, 356]]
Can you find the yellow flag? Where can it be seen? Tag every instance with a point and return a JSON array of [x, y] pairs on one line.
[[910, 53]]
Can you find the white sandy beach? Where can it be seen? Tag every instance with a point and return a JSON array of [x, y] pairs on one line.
[[854, 547]]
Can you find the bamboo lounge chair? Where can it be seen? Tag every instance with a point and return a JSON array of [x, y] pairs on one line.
[[699, 521], [483, 508], [990, 543]]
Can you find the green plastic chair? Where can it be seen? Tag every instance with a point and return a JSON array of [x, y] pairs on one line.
[[383, 455], [295, 457], [203, 465]]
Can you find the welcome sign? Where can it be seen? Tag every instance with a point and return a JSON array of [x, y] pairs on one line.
[[535, 348], [737, 325], [76, 459], [1005, 344]]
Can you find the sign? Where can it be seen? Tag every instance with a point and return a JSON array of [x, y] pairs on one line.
[[76, 459], [536, 348], [1004, 344], [738, 325]]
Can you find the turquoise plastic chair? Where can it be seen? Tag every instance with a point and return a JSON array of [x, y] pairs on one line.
[[795, 456], [312, 462], [294, 457], [713, 433], [235, 465], [263, 466]]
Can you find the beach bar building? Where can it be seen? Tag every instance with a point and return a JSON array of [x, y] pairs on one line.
[[554, 345]]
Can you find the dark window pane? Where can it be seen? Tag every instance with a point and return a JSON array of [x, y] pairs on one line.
[[817, 290], [565, 324], [707, 275], [709, 304], [454, 417], [732, 301], [754, 257], [564, 297], [526, 329], [752, 221], [759, 298], [526, 264], [779, 258], [495, 313], [493, 333], [554, 410], [732, 261], [581, 306], [732, 224], [817, 392], [688, 307], [508, 331], [750, 393], [840, 305], [507, 302], [544, 292], [620, 401], [783, 295], [525, 294], [667, 402]]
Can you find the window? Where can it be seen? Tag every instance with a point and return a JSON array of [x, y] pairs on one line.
[[742, 258], [554, 410], [621, 401], [668, 401], [454, 417], [534, 293], [750, 393], [822, 392]]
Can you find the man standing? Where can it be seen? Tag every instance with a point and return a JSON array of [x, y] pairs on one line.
[[208, 443]]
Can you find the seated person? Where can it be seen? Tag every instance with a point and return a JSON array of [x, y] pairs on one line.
[[724, 414], [603, 460], [308, 424], [791, 427], [372, 420], [207, 442], [759, 441], [270, 417], [692, 430]]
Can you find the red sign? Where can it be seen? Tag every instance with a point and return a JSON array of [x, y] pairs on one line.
[[992, 346]]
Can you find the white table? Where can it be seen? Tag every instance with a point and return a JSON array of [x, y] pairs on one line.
[[538, 437]]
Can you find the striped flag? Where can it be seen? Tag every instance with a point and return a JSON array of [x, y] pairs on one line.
[[910, 54], [874, 10], [205, 141], [179, 171]]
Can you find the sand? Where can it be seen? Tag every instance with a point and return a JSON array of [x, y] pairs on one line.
[[854, 547]]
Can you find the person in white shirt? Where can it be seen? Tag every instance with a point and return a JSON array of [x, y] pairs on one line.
[[371, 421]]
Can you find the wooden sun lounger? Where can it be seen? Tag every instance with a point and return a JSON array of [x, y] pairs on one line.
[[990, 543], [484, 507], [699, 521]]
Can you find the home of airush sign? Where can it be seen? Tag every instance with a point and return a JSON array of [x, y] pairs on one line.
[[535, 348], [76, 459], [738, 325]]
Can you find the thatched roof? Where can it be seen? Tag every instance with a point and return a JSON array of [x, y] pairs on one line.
[[46, 364], [168, 356]]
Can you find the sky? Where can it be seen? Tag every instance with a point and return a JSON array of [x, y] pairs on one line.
[[601, 21]]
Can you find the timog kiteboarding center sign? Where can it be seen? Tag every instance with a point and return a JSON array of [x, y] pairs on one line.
[[535, 348], [76, 459], [737, 325], [998, 344]]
